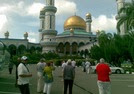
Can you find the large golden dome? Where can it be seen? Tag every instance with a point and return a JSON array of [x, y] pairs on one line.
[[74, 22]]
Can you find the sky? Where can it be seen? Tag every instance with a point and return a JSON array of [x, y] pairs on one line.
[[20, 16]]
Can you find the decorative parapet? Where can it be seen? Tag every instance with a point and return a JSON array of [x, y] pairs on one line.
[[49, 32], [26, 35], [6, 34], [44, 43], [50, 8]]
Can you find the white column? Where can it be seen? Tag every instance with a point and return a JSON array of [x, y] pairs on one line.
[[120, 4]]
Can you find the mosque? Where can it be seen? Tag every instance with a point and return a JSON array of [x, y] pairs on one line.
[[76, 37]]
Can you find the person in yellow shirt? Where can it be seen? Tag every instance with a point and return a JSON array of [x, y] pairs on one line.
[[48, 77]]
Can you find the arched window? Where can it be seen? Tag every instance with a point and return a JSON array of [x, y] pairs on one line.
[[74, 48], [60, 48], [12, 50], [21, 49], [67, 48]]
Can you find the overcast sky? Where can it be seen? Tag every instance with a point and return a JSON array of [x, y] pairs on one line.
[[20, 16]]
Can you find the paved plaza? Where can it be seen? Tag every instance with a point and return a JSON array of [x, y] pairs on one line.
[[84, 83]]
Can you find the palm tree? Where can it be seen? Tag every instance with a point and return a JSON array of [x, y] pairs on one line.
[[128, 9]]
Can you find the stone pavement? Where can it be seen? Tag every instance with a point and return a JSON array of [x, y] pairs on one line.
[[82, 81], [121, 83]]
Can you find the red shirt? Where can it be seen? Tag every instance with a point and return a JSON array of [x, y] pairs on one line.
[[103, 72]]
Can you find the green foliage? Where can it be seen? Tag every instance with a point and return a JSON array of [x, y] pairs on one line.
[[35, 57], [66, 57], [114, 48], [50, 55]]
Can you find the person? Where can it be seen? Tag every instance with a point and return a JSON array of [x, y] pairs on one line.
[[10, 66], [16, 71], [63, 65], [103, 71], [48, 77], [88, 66], [23, 76], [74, 63], [68, 76], [83, 66], [40, 80]]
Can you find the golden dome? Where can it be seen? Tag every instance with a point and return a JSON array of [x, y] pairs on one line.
[[88, 15], [75, 22]]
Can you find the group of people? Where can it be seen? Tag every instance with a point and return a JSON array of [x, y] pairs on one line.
[[86, 67], [45, 76]]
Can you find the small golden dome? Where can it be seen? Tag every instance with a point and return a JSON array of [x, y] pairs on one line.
[[71, 30], [75, 22], [26, 33], [88, 15]]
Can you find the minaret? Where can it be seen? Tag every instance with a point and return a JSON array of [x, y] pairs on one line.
[[6, 35], [120, 4], [42, 23], [49, 33], [26, 36], [88, 22]]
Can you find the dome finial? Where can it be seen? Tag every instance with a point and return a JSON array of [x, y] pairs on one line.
[[71, 32], [6, 35], [25, 35], [88, 15]]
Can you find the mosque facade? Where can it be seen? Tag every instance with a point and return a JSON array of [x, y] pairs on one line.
[[19, 46], [76, 37]]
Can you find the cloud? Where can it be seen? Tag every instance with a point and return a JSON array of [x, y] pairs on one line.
[[65, 7], [33, 24], [104, 23], [33, 40], [33, 37], [34, 9], [3, 22], [4, 9], [22, 8]]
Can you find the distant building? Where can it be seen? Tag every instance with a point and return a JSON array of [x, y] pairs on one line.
[[19, 46]]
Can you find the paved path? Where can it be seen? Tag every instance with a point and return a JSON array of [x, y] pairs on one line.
[[121, 84]]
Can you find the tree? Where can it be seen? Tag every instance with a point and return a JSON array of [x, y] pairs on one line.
[[114, 48]]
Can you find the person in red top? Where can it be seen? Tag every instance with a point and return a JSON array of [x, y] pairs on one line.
[[103, 71]]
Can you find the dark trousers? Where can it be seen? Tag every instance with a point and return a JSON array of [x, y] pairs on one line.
[[66, 84], [24, 89], [10, 70]]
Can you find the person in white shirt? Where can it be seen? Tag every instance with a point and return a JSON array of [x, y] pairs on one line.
[[73, 63], [23, 76], [63, 65], [40, 81], [88, 66]]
